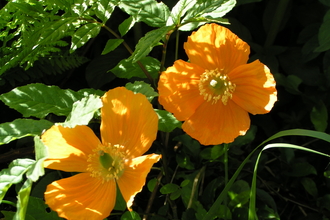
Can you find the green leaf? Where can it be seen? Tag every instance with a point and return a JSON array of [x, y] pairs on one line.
[[111, 45], [130, 216], [300, 169], [37, 209], [83, 34], [149, 41], [319, 116], [205, 9], [121, 204], [83, 111], [309, 186], [37, 169], [17, 168], [212, 153], [20, 128], [152, 184], [180, 10], [128, 69], [23, 200], [126, 25], [169, 188], [39, 100], [324, 34], [105, 9], [153, 13], [167, 122], [143, 88]]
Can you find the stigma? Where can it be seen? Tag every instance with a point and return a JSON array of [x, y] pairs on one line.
[[214, 85], [106, 162]]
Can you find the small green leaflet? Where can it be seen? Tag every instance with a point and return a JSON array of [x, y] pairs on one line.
[[128, 69], [143, 88], [111, 45], [167, 122], [83, 34], [149, 41]]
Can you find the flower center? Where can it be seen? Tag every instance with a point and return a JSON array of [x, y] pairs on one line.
[[214, 86], [106, 162]]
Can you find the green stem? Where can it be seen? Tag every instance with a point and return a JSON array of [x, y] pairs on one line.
[[8, 202], [225, 161], [145, 71], [277, 19]]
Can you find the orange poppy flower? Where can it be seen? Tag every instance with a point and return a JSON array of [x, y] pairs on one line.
[[128, 127], [215, 91]]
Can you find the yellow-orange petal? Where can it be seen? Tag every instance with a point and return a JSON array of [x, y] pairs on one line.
[[214, 46], [68, 148], [178, 89], [255, 87], [81, 197], [134, 177], [128, 120], [217, 123]]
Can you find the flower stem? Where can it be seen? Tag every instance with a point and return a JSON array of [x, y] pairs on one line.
[[225, 161], [8, 202]]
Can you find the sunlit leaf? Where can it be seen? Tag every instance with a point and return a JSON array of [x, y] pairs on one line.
[[130, 216], [105, 9], [126, 25], [20, 128], [149, 41], [151, 12], [143, 88], [128, 69], [205, 9], [23, 200], [39, 100], [83, 111], [180, 10], [167, 122], [83, 34], [13, 174]]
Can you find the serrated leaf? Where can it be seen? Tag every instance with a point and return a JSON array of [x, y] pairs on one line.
[[83, 111], [39, 100], [143, 88], [83, 34], [153, 13], [179, 10], [111, 45], [126, 25], [13, 174], [169, 188], [167, 122], [206, 9], [128, 69], [20, 128], [149, 41], [105, 9]]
